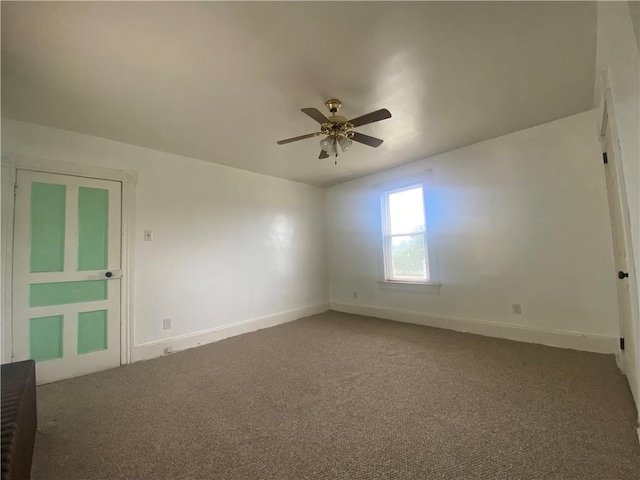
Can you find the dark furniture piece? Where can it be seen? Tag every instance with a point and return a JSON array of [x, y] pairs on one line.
[[19, 422]]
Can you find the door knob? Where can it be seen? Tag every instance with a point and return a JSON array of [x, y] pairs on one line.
[[108, 274], [622, 275]]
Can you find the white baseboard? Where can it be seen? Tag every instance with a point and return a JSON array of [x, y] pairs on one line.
[[520, 333], [147, 351]]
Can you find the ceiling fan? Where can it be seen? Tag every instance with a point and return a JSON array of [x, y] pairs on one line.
[[338, 129]]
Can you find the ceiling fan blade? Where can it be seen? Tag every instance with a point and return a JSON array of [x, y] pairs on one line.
[[323, 154], [301, 137], [316, 115], [366, 139], [376, 116]]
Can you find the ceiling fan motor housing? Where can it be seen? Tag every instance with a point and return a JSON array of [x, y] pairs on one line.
[[337, 127]]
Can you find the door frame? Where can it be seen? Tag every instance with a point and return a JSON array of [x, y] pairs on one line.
[[10, 166]]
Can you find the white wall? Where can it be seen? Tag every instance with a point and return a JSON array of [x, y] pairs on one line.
[[521, 218], [618, 56], [229, 245]]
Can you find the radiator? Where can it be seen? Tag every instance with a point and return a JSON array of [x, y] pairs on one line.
[[19, 422]]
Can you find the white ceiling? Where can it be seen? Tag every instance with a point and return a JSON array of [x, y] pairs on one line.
[[222, 82]]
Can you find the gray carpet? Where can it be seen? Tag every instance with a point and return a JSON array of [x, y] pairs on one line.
[[338, 396]]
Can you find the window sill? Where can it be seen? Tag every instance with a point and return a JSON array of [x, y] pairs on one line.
[[410, 287]]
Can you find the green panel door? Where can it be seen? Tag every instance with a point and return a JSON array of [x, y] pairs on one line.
[[67, 236]]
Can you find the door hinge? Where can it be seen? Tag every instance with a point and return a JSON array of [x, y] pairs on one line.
[[605, 159], [621, 343], [15, 189]]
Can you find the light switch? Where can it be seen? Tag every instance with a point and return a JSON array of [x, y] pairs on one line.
[[148, 235]]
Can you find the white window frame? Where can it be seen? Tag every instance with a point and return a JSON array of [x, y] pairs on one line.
[[407, 284]]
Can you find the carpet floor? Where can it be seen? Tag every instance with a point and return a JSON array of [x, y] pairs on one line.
[[338, 396]]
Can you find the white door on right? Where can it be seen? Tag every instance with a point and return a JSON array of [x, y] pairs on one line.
[[619, 243]]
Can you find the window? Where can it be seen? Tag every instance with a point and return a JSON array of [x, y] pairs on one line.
[[404, 239]]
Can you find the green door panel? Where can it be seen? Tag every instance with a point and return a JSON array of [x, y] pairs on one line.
[[93, 228], [60, 293], [48, 204], [92, 331], [45, 338]]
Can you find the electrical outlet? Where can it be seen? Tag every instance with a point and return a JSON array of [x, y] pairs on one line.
[[148, 235], [355, 295], [516, 309], [166, 323]]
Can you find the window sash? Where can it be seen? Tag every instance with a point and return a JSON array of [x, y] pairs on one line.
[[388, 239], [387, 208], [390, 267]]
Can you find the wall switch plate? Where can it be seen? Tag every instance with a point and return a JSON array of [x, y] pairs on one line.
[[166, 323], [148, 235], [516, 309], [355, 295]]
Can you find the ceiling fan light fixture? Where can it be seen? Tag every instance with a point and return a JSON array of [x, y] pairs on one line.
[[326, 144], [345, 143]]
